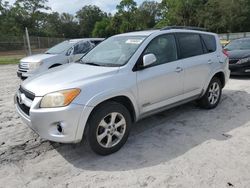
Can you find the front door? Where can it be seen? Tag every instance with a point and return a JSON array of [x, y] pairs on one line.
[[161, 83]]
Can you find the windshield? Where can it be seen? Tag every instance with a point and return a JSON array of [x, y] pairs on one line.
[[238, 45], [115, 51], [60, 48]]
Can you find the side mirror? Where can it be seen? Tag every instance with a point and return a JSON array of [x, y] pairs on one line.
[[149, 59]]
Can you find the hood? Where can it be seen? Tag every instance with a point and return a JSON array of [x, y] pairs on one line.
[[67, 76], [239, 54], [37, 58]]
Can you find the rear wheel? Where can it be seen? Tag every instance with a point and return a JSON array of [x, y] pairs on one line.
[[213, 94], [109, 127]]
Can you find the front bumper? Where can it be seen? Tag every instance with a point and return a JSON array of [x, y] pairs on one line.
[[240, 69], [44, 121]]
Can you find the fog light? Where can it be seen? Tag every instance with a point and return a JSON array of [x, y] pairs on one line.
[[59, 128]]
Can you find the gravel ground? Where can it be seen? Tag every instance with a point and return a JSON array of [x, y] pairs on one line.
[[182, 147]]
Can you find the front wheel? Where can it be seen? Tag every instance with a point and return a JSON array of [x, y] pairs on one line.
[[213, 95], [109, 127]]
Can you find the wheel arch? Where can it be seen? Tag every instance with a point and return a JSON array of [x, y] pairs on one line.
[[219, 74], [54, 65], [221, 77], [122, 99]]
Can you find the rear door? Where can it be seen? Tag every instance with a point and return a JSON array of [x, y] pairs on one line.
[[195, 62]]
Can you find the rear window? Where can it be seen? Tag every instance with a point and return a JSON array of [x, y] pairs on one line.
[[210, 42], [190, 45]]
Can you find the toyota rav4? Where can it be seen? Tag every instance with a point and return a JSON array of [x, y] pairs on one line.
[[124, 79]]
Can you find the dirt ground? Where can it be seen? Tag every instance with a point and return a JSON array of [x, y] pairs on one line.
[[182, 147]]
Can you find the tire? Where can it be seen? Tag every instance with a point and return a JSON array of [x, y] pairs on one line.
[[108, 128], [212, 96]]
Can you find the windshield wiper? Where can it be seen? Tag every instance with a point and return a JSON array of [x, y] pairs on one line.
[[110, 65], [90, 63]]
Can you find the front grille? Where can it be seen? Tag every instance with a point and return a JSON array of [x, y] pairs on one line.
[[23, 107], [28, 94], [233, 61]]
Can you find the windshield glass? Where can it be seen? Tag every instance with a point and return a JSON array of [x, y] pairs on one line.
[[60, 48], [238, 45], [115, 51]]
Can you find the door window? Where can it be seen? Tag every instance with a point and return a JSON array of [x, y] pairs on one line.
[[164, 48], [190, 45], [82, 48], [210, 43]]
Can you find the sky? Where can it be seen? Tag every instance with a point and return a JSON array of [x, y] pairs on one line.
[[72, 6]]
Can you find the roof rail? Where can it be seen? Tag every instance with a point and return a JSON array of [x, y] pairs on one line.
[[184, 27]]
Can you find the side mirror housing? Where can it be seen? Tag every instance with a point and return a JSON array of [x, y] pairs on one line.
[[149, 59]]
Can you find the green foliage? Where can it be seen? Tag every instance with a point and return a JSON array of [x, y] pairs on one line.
[[88, 16], [215, 15], [9, 60], [103, 28]]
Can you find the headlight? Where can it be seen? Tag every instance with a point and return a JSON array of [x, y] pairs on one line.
[[59, 98], [245, 60], [34, 65]]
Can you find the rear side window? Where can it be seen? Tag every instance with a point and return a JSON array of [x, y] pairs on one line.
[[190, 45], [210, 42]]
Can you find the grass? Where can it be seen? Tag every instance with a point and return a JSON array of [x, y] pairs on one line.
[[4, 60]]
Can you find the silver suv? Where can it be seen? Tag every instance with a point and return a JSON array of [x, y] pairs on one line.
[[65, 52], [125, 78]]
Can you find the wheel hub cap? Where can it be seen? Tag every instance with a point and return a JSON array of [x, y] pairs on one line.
[[111, 130], [214, 93]]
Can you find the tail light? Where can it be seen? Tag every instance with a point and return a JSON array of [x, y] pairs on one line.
[[225, 52]]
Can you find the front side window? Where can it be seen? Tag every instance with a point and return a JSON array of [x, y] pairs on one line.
[[190, 45], [164, 48], [82, 48], [115, 51]]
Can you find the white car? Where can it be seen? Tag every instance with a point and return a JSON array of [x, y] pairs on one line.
[[123, 79], [65, 52]]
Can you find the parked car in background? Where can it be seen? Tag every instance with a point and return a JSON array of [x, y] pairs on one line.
[[62, 53], [125, 78], [239, 56]]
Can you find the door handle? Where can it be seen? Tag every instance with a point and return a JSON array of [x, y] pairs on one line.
[[210, 61], [178, 69]]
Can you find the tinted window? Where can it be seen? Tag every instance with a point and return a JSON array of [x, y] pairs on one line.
[[96, 42], [190, 45], [210, 42], [164, 48]]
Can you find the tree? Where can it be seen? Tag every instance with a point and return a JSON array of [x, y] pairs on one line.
[[231, 15], [126, 13], [103, 28], [30, 14], [148, 14], [181, 12], [88, 16]]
